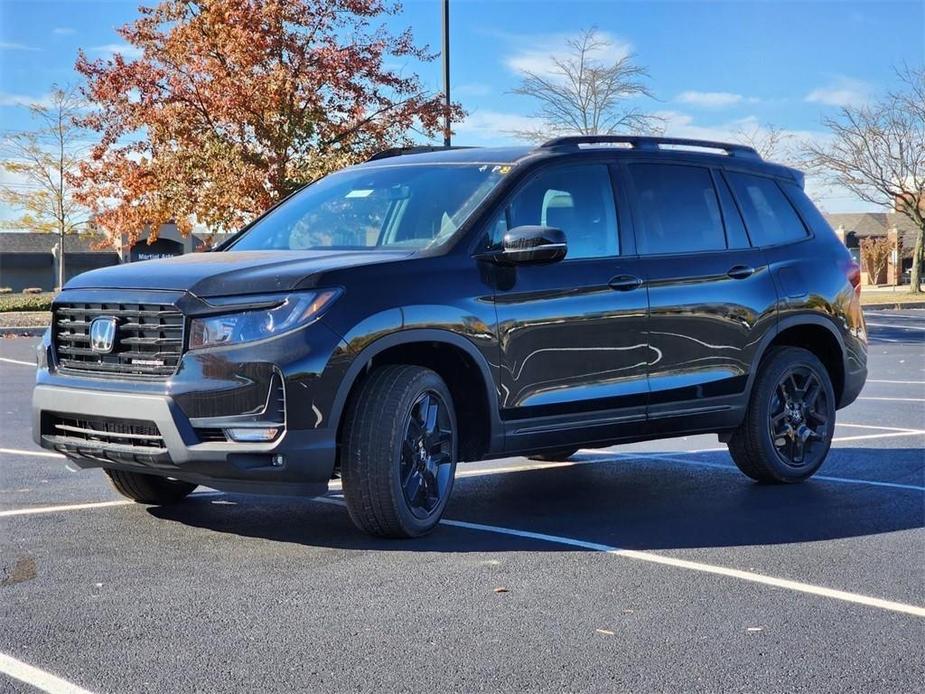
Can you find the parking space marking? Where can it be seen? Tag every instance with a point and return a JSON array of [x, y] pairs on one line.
[[17, 361], [905, 383], [41, 680], [883, 428], [751, 576], [732, 468], [34, 510], [891, 325], [41, 454], [895, 399]]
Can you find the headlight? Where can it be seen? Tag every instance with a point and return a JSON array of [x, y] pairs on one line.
[[295, 311]]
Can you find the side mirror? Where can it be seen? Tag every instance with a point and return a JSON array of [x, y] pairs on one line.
[[530, 245]]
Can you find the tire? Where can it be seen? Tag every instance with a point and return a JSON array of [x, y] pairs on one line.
[[149, 489], [787, 431], [555, 456], [399, 454]]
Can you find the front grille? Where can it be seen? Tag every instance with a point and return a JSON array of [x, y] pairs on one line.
[[149, 338], [105, 438]]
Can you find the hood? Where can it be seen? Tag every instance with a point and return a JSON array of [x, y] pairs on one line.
[[233, 272]]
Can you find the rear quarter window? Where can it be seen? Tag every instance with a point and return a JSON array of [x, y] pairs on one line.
[[770, 218]]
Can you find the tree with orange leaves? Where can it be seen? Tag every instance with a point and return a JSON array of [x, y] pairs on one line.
[[233, 104]]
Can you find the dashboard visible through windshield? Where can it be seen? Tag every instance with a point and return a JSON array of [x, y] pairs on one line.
[[402, 206]]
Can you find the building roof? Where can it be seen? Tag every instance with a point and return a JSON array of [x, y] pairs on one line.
[[36, 242], [866, 224]]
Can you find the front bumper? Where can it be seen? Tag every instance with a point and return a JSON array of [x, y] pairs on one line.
[[298, 462]]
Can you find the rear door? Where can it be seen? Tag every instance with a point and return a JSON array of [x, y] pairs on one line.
[[573, 348], [711, 296]]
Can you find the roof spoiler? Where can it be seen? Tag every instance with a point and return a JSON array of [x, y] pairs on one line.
[[650, 143], [414, 149]]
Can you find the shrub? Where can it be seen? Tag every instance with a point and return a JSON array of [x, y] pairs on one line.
[[6, 290], [26, 302], [32, 290]]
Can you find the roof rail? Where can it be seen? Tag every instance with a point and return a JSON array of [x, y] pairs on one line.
[[650, 143], [414, 149]]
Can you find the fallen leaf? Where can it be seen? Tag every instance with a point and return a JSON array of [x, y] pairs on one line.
[[605, 632], [501, 589]]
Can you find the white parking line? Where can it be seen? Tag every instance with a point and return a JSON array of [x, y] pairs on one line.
[[894, 399], [872, 426], [40, 454], [893, 325], [17, 361], [41, 680], [63, 507], [905, 383], [653, 558], [732, 468]]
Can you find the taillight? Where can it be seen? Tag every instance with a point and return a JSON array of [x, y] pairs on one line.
[[854, 276]]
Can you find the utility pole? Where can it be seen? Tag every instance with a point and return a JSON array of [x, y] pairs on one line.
[[447, 137]]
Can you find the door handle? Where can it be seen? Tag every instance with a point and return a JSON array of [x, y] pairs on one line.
[[740, 272], [625, 283]]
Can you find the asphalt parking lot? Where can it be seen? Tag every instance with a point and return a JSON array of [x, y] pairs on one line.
[[644, 568]]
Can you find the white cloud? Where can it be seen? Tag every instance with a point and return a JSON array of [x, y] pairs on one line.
[[107, 50], [24, 100], [472, 89], [13, 46], [493, 127], [713, 99], [842, 91], [541, 61], [63, 31], [828, 197]]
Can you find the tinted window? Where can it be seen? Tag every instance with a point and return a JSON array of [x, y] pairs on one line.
[[769, 216], [735, 227], [576, 199], [678, 209], [806, 208], [371, 207]]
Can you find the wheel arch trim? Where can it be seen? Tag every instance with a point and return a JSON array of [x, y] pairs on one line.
[[414, 336]]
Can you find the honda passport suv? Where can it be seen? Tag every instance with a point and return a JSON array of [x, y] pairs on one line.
[[439, 305]]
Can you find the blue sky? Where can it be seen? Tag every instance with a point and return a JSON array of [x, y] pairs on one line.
[[716, 67]]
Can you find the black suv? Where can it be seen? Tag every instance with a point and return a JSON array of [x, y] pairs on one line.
[[429, 307]]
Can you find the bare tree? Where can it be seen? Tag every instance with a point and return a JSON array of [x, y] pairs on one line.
[[878, 152], [770, 141], [39, 164], [584, 94]]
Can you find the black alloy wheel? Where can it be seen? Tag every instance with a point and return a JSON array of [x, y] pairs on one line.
[[799, 418], [427, 454]]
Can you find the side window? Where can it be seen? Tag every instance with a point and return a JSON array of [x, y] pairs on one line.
[[769, 216], [576, 199], [678, 209], [736, 235], [810, 213]]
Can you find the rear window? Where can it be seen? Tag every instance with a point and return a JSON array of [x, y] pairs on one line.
[[769, 216], [808, 211], [678, 209]]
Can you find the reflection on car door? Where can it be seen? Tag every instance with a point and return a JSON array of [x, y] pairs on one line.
[[711, 296], [573, 348]]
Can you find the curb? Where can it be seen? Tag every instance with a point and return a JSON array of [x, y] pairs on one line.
[[32, 331]]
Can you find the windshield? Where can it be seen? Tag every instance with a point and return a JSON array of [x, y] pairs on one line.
[[404, 206]]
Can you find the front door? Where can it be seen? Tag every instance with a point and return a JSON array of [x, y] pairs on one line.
[[573, 345]]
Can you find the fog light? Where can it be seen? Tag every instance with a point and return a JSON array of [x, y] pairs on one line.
[[279, 460], [252, 435]]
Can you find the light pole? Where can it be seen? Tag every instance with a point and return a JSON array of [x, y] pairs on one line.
[[447, 137]]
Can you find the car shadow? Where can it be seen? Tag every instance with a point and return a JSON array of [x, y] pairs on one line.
[[631, 502]]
